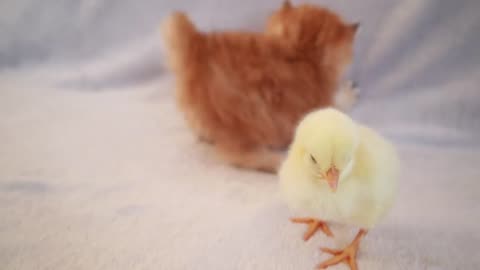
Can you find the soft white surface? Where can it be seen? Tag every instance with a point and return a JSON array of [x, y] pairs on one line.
[[114, 180], [98, 171]]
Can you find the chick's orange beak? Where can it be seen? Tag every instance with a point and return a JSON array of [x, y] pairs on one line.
[[332, 178]]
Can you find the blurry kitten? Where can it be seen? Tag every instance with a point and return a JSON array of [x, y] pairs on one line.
[[246, 92]]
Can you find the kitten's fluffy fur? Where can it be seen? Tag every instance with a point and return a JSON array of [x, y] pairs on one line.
[[246, 92]]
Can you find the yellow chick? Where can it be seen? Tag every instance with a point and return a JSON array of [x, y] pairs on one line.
[[338, 171]]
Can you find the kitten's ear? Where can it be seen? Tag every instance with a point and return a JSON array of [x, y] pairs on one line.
[[286, 5], [354, 27]]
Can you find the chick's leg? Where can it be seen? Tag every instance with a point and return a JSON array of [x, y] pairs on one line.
[[313, 226], [347, 255]]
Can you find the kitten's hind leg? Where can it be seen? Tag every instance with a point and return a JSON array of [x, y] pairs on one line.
[[346, 96], [249, 157]]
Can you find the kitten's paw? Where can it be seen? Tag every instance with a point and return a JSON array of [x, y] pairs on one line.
[[347, 95], [204, 139]]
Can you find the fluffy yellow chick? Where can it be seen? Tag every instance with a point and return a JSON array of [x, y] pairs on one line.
[[339, 171]]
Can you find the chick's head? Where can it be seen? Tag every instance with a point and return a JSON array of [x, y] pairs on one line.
[[325, 144]]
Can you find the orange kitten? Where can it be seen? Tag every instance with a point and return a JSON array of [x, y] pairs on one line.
[[246, 92]]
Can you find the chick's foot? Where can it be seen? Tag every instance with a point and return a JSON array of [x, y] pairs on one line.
[[347, 255], [313, 226]]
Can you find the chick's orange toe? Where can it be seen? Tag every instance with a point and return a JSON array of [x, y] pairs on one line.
[[347, 255], [313, 226]]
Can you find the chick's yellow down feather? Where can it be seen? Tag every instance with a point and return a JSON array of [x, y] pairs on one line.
[[339, 171]]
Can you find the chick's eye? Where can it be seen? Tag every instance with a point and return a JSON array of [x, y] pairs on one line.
[[313, 159]]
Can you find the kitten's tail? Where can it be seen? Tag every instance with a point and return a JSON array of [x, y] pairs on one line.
[[180, 36]]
